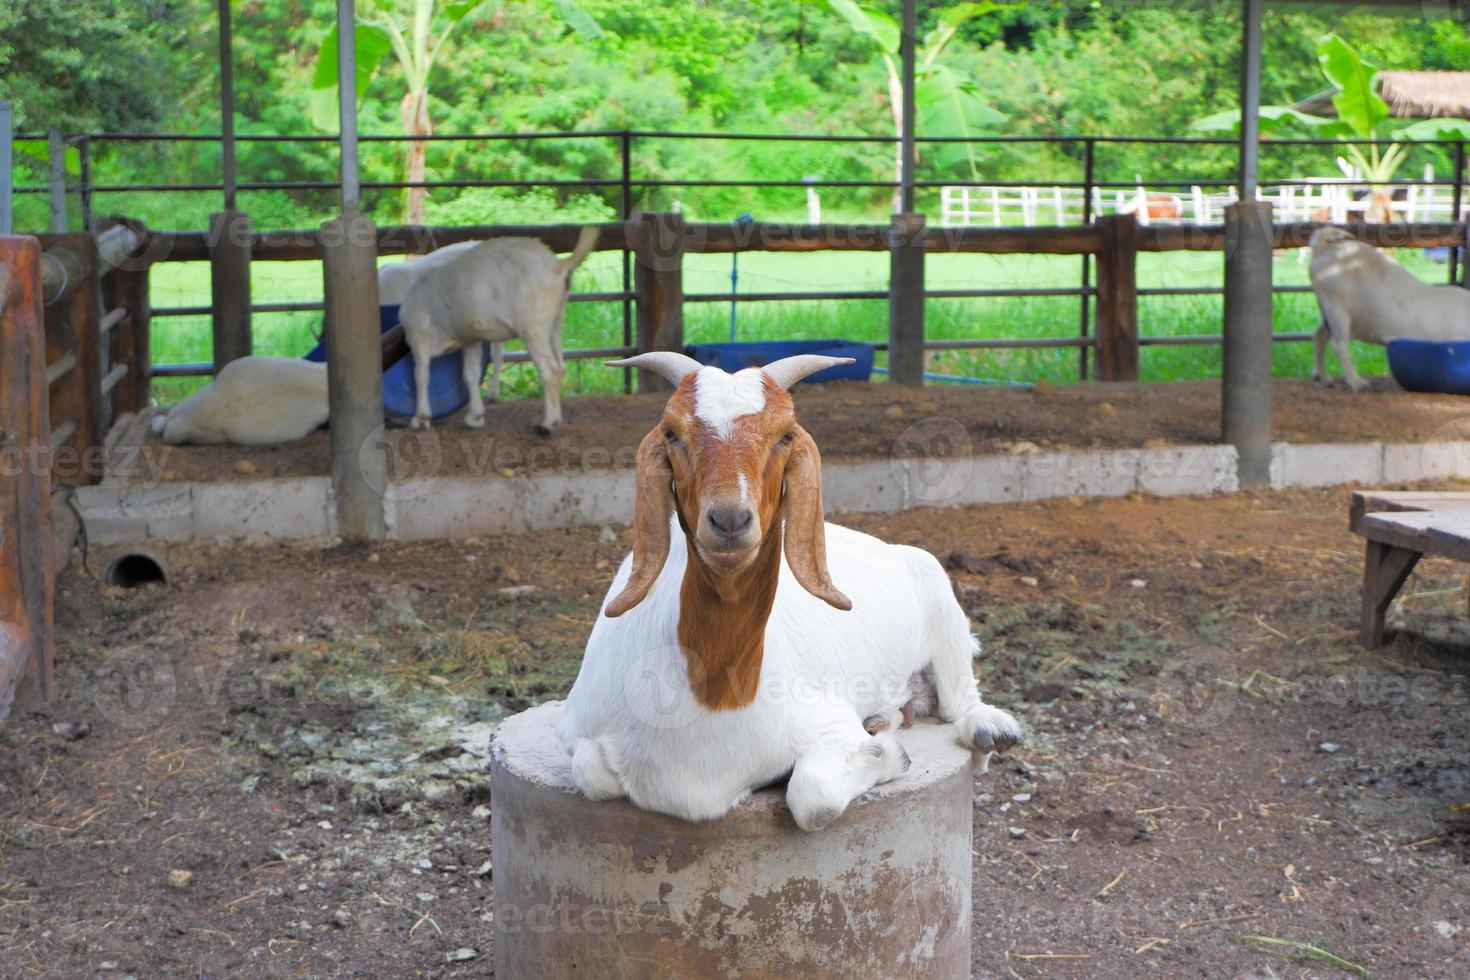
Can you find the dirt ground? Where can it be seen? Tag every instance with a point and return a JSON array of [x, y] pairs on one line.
[[850, 420], [285, 772]]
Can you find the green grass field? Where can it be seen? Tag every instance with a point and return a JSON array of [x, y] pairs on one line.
[[178, 339]]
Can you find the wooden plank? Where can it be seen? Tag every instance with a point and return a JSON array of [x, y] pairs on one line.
[[1368, 501], [1436, 533], [1117, 299], [27, 569], [658, 278], [130, 341], [229, 285], [1385, 569]]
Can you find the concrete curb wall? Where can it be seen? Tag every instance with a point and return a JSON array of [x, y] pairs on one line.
[[302, 508]]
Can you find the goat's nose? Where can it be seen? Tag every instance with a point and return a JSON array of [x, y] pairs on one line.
[[730, 521]]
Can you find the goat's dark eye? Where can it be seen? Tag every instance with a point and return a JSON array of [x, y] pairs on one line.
[[788, 439], [670, 435]]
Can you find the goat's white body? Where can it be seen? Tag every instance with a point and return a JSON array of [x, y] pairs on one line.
[[634, 728], [254, 401], [395, 278], [1365, 295], [496, 290]]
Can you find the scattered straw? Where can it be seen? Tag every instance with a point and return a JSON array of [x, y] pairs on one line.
[[1112, 884], [1293, 950]]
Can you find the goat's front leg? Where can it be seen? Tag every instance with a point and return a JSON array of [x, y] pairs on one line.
[[473, 358], [832, 774], [421, 417]]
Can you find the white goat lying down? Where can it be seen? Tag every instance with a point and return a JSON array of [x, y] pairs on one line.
[[395, 278], [722, 664], [496, 290], [253, 401], [1365, 295]]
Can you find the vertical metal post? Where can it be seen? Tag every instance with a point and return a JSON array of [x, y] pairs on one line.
[[1089, 148], [7, 168], [1454, 262], [84, 176], [626, 211], [1245, 382], [906, 43], [347, 101], [1250, 98], [354, 359], [906, 299], [56, 162], [227, 103]]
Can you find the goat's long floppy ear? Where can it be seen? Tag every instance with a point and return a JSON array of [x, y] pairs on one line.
[[653, 505], [806, 532]]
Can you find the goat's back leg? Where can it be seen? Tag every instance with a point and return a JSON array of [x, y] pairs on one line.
[[832, 774], [952, 650], [1319, 352], [497, 359], [1340, 325], [473, 355], [550, 366]]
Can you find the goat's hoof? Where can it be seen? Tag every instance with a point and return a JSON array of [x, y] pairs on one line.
[[474, 421], [987, 729], [820, 818], [882, 722], [543, 430], [418, 423]]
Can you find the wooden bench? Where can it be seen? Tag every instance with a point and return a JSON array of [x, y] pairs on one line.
[[1400, 528]]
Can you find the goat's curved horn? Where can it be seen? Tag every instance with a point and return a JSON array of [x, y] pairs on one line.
[[789, 370], [672, 366]]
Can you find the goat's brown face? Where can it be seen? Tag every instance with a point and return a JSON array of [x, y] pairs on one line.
[[728, 457], [728, 464]]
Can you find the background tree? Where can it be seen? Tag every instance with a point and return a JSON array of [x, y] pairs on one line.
[[947, 103], [1362, 115], [416, 32]]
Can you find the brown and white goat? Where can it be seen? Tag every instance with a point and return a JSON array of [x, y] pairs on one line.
[[766, 643]]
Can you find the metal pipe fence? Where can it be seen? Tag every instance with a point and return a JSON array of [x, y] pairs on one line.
[[630, 187]]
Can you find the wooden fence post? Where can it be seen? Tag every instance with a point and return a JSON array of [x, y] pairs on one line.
[[658, 281], [130, 342], [229, 282], [355, 375], [906, 300], [1117, 298], [27, 571]]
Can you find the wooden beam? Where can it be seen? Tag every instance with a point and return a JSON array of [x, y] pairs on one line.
[[1385, 569], [1117, 299], [27, 567], [658, 281]]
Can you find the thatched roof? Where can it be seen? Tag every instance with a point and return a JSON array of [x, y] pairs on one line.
[[1410, 95]]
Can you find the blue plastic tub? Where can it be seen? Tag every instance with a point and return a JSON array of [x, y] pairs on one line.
[[736, 357], [447, 393], [1428, 365]]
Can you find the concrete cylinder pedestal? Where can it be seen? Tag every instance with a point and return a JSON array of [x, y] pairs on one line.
[[586, 889]]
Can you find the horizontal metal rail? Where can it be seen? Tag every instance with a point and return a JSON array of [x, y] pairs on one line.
[[112, 318], [110, 380], [61, 433], [1183, 340], [58, 368]]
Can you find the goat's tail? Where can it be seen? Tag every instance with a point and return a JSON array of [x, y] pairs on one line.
[[585, 242]]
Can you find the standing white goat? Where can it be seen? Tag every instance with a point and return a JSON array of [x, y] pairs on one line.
[[1365, 295], [724, 663], [395, 278], [497, 290], [253, 401]]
